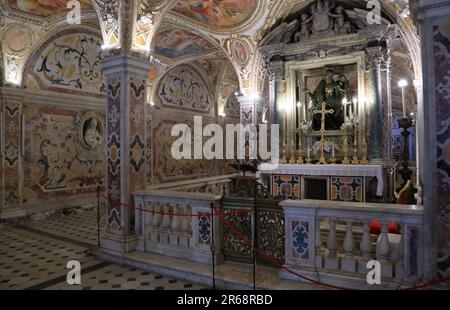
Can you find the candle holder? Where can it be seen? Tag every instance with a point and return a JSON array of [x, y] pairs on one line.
[[309, 161], [355, 160], [300, 159], [346, 160], [292, 159], [284, 157], [364, 160], [333, 160], [405, 172]]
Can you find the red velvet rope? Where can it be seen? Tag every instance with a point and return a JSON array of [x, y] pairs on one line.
[[234, 230]]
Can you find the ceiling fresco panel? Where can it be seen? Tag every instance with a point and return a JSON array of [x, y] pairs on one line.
[[217, 13], [175, 43], [44, 7]]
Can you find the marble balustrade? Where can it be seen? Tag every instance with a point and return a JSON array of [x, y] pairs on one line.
[[178, 224], [332, 242], [219, 185]]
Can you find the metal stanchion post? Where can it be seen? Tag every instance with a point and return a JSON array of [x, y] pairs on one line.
[[213, 250], [98, 216]]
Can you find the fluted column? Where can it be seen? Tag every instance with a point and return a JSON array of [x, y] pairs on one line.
[[277, 80]]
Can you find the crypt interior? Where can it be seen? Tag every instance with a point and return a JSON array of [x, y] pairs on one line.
[[91, 90]]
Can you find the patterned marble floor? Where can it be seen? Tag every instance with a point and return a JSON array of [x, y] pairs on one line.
[[34, 256]]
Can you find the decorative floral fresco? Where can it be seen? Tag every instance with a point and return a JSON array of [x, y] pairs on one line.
[[69, 62], [183, 87], [175, 43], [219, 13], [442, 93], [45, 7], [63, 153]]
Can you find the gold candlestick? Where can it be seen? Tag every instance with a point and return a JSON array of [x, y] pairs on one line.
[[364, 160], [355, 160], [346, 160], [300, 159], [308, 160], [322, 160], [292, 159], [284, 157]]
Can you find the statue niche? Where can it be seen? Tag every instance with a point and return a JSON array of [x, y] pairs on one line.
[[332, 90]]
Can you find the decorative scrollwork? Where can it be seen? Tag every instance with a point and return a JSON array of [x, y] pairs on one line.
[[271, 233]]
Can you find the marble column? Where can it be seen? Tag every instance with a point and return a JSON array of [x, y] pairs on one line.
[[387, 105], [125, 145], [277, 80], [11, 152], [374, 111], [432, 18]]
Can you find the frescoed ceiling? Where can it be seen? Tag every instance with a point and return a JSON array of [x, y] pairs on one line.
[[44, 7], [173, 43], [217, 13]]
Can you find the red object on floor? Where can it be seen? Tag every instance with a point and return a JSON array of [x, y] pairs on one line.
[[375, 227]]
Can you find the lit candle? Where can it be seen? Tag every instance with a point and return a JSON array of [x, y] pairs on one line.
[[344, 102], [332, 150], [309, 152], [402, 84]]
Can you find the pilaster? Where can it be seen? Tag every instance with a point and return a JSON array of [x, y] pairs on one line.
[[125, 145], [432, 18], [11, 152]]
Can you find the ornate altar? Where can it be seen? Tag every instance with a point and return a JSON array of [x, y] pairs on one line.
[[325, 90]]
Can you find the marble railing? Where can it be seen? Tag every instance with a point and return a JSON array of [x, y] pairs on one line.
[[178, 224], [219, 185], [314, 250]]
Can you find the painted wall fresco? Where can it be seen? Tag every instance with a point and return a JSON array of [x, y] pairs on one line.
[[166, 168], [45, 7], [175, 43], [224, 13], [63, 153], [442, 93], [184, 88], [228, 86], [68, 62]]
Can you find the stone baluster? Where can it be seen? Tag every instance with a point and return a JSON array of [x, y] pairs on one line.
[[348, 262], [319, 252], [185, 219], [384, 250], [331, 260], [175, 218], [400, 266], [166, 222], [156, 215], [148, 214], [366, 248], [227, 189]]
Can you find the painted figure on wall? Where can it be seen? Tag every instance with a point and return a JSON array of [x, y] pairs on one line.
[[45, 7], [332, 90], [174, 43], [223, 13]]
